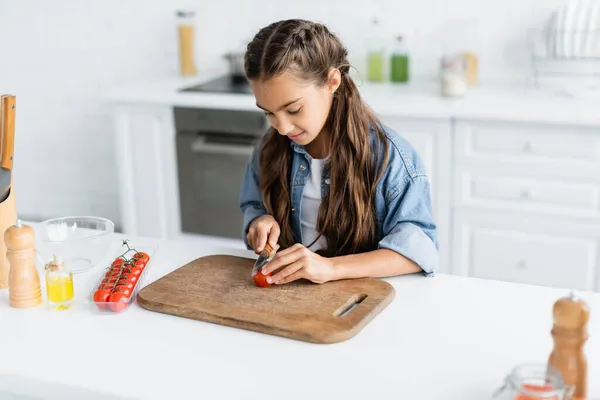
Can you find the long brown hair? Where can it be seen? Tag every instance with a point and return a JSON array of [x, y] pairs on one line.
[[347, 213]]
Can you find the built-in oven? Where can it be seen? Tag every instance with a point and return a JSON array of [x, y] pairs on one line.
[[213, 149]]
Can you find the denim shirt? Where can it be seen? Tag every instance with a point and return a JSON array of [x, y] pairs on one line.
[[402, 201]]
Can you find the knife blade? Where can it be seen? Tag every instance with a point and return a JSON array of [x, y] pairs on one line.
[[264, 257], [7, 143]]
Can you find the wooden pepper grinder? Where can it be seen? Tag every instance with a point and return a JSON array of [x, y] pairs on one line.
[[23, 278], [569, 332]]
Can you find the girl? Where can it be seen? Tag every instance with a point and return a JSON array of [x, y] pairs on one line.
[[340, 194]]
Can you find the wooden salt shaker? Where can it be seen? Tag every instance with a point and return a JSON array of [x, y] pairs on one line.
[[569, 332], [23, 279]]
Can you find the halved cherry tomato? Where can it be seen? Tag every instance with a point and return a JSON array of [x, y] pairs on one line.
[[260, 279]]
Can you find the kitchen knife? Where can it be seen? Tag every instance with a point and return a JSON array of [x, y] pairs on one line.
[[7, 144], [263, 258]]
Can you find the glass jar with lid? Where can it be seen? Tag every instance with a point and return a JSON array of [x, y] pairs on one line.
[[453, 71], [534, 382]]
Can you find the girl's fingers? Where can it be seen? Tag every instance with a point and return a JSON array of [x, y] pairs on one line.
[[286, 257], [301, 273], [289, 250], [285, 272], [261, 238], [274, 235]]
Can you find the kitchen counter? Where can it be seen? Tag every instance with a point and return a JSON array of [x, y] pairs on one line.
[[446, 337], [420, 99]]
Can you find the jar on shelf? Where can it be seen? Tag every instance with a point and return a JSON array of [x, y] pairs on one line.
[[186, 40], [59, 284], [400, 62], [375, 53], [534, 382], [453, 76]]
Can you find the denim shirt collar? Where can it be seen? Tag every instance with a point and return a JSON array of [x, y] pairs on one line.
[[297, 148]]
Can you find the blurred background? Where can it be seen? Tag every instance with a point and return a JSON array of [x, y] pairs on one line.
[[81, 69]]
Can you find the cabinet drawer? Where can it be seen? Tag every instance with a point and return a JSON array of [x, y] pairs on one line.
[[527, 143], [489, 189], [532, 258]]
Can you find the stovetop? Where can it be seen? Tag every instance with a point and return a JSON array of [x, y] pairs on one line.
[[224, 84]]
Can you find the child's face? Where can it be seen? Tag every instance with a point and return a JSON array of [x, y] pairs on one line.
[[295, 108]]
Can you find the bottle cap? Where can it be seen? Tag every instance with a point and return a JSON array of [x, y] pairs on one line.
[[55, 264]]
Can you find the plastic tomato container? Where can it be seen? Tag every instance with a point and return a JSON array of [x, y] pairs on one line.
[[125, 252]]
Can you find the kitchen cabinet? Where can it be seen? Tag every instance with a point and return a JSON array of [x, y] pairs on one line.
[[525, 248], [515, 177], [431, 140], [146, 164], [526, 203]]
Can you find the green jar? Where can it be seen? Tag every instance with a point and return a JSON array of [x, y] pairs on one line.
[[375, 65], [400, 63]]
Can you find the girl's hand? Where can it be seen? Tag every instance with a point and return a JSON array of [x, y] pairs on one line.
[[299, 262], [261, 230]]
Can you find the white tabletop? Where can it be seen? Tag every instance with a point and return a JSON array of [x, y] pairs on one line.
[[445, 337]]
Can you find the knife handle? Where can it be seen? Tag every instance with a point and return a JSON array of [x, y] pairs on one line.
[[8, 131], [267, 250]]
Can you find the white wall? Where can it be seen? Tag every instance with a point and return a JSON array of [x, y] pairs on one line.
[[56, 57]]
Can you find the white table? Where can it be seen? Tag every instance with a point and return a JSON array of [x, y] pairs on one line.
[[416, 349]]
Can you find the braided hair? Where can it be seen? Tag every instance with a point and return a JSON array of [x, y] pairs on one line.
[[309, 51]]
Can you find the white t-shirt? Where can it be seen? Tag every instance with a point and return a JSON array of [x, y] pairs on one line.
[[311, 200]]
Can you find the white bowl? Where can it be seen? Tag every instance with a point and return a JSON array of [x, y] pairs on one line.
[[81, 241]]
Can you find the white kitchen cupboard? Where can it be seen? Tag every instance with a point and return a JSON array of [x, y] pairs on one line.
[[526, 203], [513, 200], [146, 162], [525, 248], [431, 140]]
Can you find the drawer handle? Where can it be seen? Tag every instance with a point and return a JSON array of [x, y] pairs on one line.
[[528, 147], [521, 265]]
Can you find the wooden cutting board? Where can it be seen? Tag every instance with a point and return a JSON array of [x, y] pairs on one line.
[[219, 289]]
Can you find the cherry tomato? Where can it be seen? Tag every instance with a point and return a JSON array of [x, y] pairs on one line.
[[139, 264], [124, 283], [141, 258], [261, 280], [114, 272], [101, 295], [122, 289], [130, 277], [117, 262], [118, 301], [137, 271], [109, 281]]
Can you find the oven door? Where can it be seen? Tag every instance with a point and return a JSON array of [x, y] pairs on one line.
[[211, 170]]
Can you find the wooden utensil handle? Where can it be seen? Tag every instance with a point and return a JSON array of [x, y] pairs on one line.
[[8, 131], [268, 249]]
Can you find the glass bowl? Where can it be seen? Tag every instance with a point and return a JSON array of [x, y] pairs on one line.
[[82, 241]]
